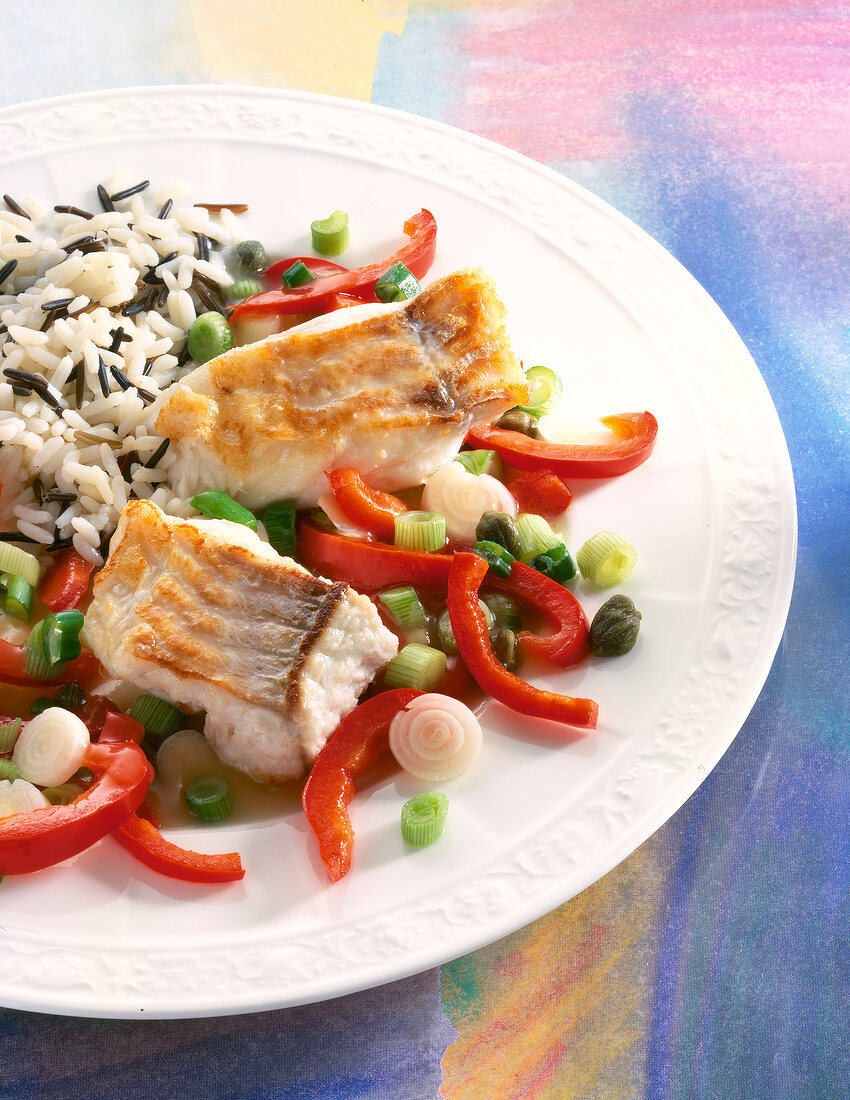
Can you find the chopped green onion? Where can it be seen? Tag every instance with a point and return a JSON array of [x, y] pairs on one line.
[[330, 235], [556, 563], [535, 536], [52, 643], [40, 704], [19, 563], [250, 330], [9, 771], [447, 636], [19, 593], [297, 275], [9, 735], [209, 337], [63, 793], [420, 531], [423, 818], [251, 258], [406, 609], [481, 462], [546, 390], [606, 559], [159, 717], [496, 556], [505, 610], [397, 284], [209, 797], [219, 505], [243, 288], [416, 666], [279, 522]]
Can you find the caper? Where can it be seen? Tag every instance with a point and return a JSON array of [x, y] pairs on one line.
[[504, 646], [501, 528], [515, 420], [252, 257], [615, 627]]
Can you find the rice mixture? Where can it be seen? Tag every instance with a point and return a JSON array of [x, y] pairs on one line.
[[95, 306]]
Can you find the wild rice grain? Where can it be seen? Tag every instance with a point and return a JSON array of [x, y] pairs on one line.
[[15, 207], [130, 191]]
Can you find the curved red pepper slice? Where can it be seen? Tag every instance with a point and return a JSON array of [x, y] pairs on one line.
[[314, 264], [634, 439], [569, 644], [473, 641], [32, 841], [372, 510], [66, 581], [316, 297], [360, 738], [13, 668], [142, 838], [369, 565]]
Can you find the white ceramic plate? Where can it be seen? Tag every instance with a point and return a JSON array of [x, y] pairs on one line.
[[712, 515]]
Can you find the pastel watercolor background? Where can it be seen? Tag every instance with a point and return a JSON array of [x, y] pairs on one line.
[[713, 962]]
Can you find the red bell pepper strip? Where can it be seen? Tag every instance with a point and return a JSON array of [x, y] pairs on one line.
[[360, 738], [569, 644], [634, 438], [40, 838], [120, 727], [541, 492], [365, 507], [368, 565], [473, 641], [66, 581], [141, 837], [13, 661], [315, 297], [314, 264]]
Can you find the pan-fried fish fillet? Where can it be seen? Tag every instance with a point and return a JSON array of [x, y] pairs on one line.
[[206, 613], [389, 390]]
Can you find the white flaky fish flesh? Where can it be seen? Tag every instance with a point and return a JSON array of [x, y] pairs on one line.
[[389, 390], [206, 614]]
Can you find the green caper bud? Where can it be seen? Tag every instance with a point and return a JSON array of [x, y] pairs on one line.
[[504, 646], [447, 635], [516, 420], [501, 528], [615, 627], [252, 257]]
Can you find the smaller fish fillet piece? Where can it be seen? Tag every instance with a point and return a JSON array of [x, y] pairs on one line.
[[389, 390], [207, 614]]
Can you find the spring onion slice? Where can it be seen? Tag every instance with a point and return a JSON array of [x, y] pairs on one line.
[[19, 563], [546, 390], [407, 611], [297, 275], [159, 717], [504, 610], [481, 462], [330, 236], [8, 770], [420, 531], [9, 735], [606, 559], [63, 793], [209, 797], [243, 288], [208, 337], [416, 666], [19, 594], [535, 536], [50, 748], [496, 556], [423, 818], [435, 737], [52, 643], [556, 563], [219, 505], [279, 522], [397, 284], [447, 636]]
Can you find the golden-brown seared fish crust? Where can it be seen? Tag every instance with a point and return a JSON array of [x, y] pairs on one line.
[[207, 614], [387, 389]]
